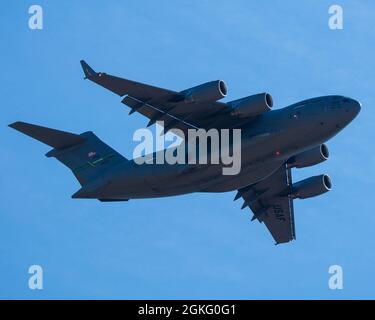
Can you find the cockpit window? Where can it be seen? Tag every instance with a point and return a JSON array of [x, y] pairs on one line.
[[335, 105]]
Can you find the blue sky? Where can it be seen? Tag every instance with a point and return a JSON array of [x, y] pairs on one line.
[[198, 245]]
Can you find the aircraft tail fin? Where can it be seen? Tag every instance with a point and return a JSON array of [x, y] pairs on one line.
[[85, 154]]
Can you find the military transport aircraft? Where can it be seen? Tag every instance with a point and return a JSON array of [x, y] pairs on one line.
[[272, 143]]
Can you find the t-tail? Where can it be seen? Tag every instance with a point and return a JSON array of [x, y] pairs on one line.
[[85, 154]]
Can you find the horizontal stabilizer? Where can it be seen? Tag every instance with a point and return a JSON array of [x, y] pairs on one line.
[[86, 155], [54, 138]]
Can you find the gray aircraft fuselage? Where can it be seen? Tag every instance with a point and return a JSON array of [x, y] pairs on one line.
[[267, 142]]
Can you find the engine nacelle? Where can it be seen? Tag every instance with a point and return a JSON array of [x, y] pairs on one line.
[[252, 105], [311, 187], [207, 92], [310, 157]]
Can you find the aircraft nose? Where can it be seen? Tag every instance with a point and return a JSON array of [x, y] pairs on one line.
[[344, 114], [353, 107], [356, 107]]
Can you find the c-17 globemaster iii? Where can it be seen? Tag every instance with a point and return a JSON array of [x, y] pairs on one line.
[[272, 143]]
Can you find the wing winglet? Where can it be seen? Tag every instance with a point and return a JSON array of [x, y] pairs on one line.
[[88, 71]]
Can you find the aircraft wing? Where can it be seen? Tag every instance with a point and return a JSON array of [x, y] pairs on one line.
[[268, 201], [160, 104]]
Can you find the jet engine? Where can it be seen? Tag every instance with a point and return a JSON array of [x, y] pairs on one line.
[[311, 187], [252, 105], [207, 92], [310, 157]]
